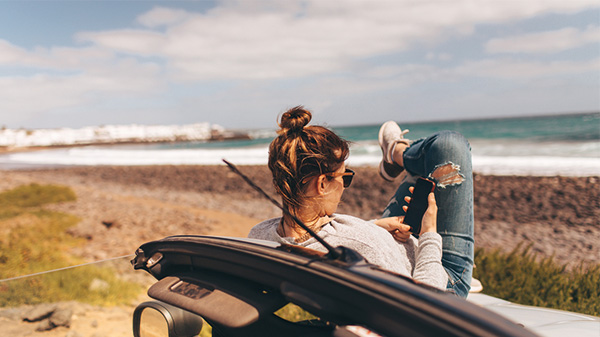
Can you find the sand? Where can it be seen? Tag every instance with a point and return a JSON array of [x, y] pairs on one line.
[[122, 207]]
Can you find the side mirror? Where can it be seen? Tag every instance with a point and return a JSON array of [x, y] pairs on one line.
[[159, 319]]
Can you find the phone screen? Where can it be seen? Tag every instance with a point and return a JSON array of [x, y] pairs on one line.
[[418, 204]]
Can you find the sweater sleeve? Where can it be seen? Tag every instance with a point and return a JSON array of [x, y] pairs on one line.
[[428, 267]]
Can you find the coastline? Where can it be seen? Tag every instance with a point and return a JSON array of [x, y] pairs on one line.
[[231, 135], [122, 207]]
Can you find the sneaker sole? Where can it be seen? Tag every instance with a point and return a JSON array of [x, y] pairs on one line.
[[380, 138], [384, 172]]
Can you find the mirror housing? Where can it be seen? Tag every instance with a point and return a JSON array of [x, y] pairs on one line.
[[177, 322]]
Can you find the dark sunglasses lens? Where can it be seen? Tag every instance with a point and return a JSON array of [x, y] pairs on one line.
[[348, 178]]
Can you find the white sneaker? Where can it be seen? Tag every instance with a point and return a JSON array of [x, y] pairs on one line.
[[476, 286], [390, 134]]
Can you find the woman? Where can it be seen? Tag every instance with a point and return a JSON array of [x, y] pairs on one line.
[[309, 173]]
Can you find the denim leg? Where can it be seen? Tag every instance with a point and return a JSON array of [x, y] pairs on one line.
[[455, 200]]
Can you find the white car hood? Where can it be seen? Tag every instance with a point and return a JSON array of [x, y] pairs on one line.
[[543, 321]]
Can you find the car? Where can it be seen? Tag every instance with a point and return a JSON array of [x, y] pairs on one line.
[[543, 321], [237, 286]]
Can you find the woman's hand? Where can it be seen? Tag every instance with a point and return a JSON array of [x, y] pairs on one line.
[[429, 222], [401, 231], [394, 225]]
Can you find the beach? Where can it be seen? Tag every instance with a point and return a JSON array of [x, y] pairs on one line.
[[122, 207]]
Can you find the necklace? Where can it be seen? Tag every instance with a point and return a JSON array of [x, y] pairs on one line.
[[320, 224], [303, 237]]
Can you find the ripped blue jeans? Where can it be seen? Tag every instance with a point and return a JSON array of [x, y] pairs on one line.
[[439, 156]]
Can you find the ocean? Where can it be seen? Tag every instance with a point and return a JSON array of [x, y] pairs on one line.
[[567, 145]]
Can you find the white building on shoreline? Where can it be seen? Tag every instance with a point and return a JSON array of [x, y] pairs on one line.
[[114, 134]]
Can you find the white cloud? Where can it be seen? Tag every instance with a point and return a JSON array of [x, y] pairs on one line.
[[440, 56], [328, 44], [138, 42], [9, 53], [42, 80], [545, 42], [513, 70], [161, 16], [42, 93], [57, 58], [266, 40]]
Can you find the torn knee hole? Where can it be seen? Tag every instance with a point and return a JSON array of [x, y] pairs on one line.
[[447, 174]]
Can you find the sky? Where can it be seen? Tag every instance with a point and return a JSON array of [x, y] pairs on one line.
[[240, 64]]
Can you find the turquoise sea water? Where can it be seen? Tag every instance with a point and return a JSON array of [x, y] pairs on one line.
[[578, 127], [555, 136], [532, 131], [543, 145]]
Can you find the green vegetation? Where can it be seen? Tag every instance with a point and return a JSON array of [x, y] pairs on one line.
[[294, 313], [35, 195], [521, 277], [34, 240], [290, 312], [21, 199]]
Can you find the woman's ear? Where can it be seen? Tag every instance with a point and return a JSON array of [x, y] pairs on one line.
[[321, 181]]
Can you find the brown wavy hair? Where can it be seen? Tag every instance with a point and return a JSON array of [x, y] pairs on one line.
[[301, 151]]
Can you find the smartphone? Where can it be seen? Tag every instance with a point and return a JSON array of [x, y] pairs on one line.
[[418, 204]]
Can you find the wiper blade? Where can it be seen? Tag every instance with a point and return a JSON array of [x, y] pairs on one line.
[[334, 253]]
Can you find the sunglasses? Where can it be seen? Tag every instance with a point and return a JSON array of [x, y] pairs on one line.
[[347, 176]]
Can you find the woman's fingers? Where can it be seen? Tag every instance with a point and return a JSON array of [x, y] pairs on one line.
[[431, 204], [395, 226], [402, 231], [429, 222], [411, 190], [392, 224], [401, 236]]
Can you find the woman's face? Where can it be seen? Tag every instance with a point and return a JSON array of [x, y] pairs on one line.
[[333, 190]]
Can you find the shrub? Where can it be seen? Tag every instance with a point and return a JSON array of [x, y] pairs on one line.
[[35, 195], [521, 277], [34, 240]]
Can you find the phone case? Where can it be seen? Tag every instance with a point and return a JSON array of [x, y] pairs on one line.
[[418, 204]]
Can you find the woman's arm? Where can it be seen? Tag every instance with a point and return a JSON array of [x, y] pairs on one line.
[[428, 258], [427, 264]]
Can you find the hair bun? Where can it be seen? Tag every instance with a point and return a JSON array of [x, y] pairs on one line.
[[295, 119]]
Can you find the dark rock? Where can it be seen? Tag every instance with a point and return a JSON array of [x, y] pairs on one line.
[[108, 223], [39, 312], [62, 317], [45, 325]]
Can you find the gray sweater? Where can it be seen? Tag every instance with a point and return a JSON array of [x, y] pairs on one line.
[[419, 259]]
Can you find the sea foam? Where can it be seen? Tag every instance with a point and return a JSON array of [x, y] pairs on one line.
[[365, 154], [567, 145]]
